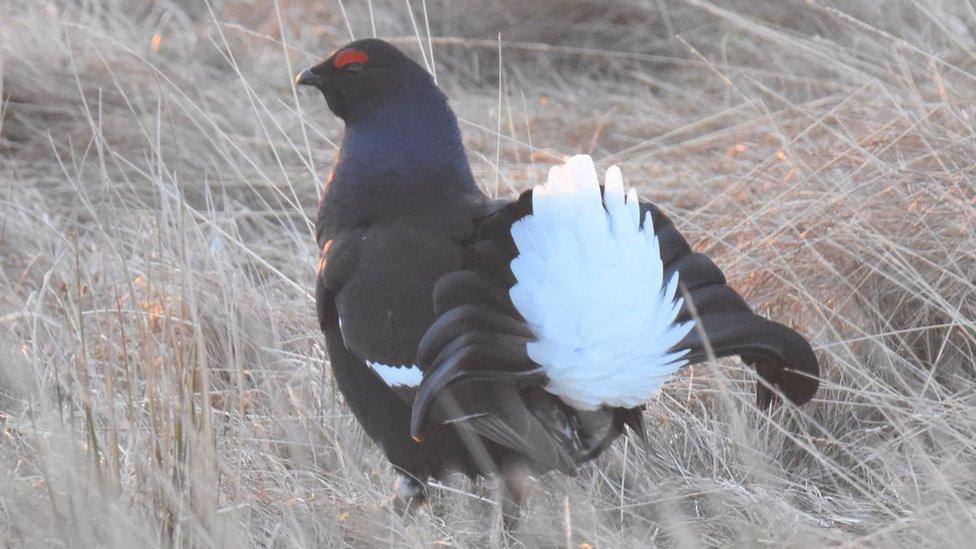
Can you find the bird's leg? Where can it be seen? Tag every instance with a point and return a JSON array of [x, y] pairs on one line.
[[516, 488], [409, 493]]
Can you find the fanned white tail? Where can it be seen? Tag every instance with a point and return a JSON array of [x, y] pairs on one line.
[[590, 283]]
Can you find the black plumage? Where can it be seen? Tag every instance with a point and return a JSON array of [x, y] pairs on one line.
[[415, 273]]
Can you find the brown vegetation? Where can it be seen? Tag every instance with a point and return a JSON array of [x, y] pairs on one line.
[[163, 379]]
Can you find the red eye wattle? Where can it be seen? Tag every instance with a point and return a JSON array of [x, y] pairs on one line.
[[348, 56]]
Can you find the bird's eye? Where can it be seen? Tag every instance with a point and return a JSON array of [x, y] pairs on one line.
[[354, 68]]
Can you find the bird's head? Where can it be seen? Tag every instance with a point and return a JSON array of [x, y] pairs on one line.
[[397, 122], [366, 77]]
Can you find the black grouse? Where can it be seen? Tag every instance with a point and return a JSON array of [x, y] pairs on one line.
[[505, 337]]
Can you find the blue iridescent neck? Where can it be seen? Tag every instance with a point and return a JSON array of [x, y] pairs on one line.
[[408, 139], [405, 159]]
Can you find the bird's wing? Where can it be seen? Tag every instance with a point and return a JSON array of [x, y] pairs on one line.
[[382, 415], [372, 331], [575, 292], [382, 275]]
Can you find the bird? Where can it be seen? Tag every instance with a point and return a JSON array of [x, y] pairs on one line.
[[509, 337]]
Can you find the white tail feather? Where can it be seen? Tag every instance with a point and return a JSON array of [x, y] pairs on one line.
[[590, 283]]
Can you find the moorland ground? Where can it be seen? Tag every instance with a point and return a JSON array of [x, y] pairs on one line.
[[162, 377]]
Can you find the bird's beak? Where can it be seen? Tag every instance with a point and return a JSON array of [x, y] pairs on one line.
[[308, 78]]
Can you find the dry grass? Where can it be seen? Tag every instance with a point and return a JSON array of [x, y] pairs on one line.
[[163, 380]]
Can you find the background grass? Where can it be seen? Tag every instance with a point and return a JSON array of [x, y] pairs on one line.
[[163, 378]]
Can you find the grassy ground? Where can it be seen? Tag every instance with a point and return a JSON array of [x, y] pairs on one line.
[[162, 379]]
